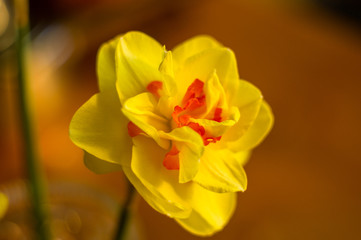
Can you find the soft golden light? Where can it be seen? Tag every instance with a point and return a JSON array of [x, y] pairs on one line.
[[4, 17]]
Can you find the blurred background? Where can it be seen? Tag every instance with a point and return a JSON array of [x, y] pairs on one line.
[[305, 56]]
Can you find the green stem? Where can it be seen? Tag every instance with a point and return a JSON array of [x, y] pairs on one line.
[[34, 174], [124, 214]]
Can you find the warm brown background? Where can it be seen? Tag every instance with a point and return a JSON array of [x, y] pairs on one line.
[[304, 180]]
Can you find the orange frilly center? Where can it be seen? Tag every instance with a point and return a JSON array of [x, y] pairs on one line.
[[191, 107]]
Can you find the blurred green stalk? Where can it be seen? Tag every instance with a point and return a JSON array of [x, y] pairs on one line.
[[124, 214], [32, 165]]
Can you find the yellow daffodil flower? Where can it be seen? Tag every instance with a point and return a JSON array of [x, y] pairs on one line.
[[179, 123]]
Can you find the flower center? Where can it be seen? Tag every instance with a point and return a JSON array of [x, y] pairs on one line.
[[193, 105]]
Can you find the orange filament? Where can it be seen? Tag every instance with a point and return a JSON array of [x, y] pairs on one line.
[[134, 130], [217, 115], [208, 140], [193, 101], [197, 128], [194, 91], [171, 159], [155, 87]]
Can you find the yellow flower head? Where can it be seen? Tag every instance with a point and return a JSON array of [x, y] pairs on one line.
[[179, 123]]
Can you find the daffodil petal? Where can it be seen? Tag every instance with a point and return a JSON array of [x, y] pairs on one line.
[[203, 65], [139, 45], [257, 132], [99, 128], [160, 188], [190, 146], [165, 106], [4, 203], [192, 47], [167, 69], [141, 110], [247, 94], [248, 100], [137, 58], [211, 211], [99, 166], [158, 185], [222, 171], [242, 156], [215, 95], [217, 129], [106, 65]]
